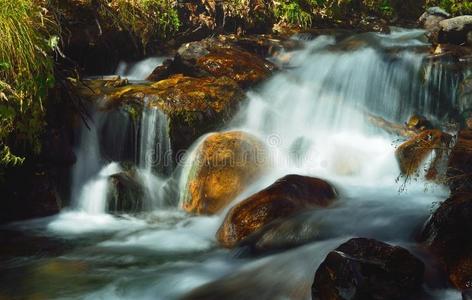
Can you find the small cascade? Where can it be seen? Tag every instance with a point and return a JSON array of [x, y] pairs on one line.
[[93, 195], [140, 70], [155, 156]]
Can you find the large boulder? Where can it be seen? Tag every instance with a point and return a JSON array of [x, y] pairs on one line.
[[192, 106], [456, 30], [459, 171], [413, 153], [212, 57], [447, 234], [225, 164], [368, 269], [284, 198], [283, 234]]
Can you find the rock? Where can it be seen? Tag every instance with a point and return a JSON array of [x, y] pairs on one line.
[[287, 196], [283, 234], [447, 235], [459, 171], [368, 269], [411, 154], [225, 164], [418, 123], [430, 21], [192, 106], [126, 192], [455, 30], [211, 57]]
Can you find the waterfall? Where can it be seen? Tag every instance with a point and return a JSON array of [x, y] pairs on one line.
[[155, 156], [140, 70], [314, 118]]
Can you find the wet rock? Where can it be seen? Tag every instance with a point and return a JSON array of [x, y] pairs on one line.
[[459, 171], [430, 21], [126, 192], [192, 106], [368, 269], [225, 164], [418, 123], [411, 154], [211, 57], [263, 44], [447, 234], [283, 234], [456, 30], [284, 198]]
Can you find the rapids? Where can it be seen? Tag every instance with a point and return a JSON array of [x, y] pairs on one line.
[[312, 116]]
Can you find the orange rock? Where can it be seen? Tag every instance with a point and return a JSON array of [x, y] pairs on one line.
[[411, 154], [287, 196], [226, 163]]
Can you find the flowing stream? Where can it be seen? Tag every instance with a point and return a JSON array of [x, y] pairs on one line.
[[313, 118]]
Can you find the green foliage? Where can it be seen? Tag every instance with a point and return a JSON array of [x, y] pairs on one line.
[[147, 19], [26, 74], [295, 12], [455, 7]]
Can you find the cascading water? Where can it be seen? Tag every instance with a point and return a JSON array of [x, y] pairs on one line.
[[314, 117], [139, 71]]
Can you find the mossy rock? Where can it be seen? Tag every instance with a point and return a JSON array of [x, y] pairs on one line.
[[193, 106]]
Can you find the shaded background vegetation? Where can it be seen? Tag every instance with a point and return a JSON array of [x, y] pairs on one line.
[[33, 31]]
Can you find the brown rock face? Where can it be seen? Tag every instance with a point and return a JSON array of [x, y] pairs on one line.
[[411, 154], [447, 234], [226, 163], [459, 172], [368, 269], [192, 106], [211, 57], [287, 196]]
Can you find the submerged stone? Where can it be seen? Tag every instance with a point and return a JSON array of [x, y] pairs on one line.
[[126, 192]]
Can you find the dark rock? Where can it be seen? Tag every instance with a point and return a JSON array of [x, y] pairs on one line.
[[447, 235], [456, 30], [126, 192], [225, 164], [459, 172], [284, 198], [368, 269], [430, 21]]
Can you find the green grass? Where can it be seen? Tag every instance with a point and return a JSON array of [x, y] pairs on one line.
[[148, 19], [26, 73]]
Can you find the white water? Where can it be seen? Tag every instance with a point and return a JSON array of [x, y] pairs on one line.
[[140, 70], [313, 121]]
